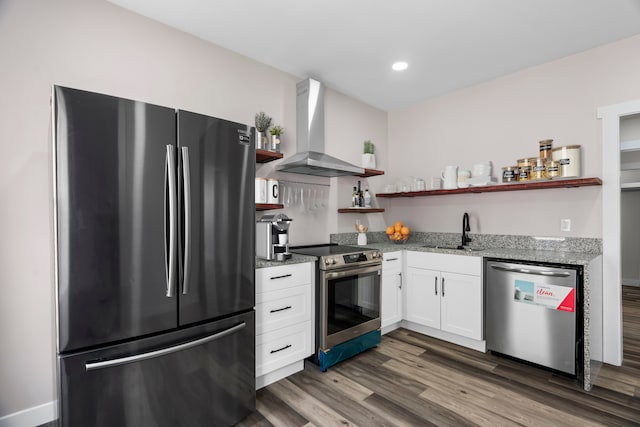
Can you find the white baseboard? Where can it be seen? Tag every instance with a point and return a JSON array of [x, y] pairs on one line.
[[446, 336], [278, 374], [31, 417], [630, 282]]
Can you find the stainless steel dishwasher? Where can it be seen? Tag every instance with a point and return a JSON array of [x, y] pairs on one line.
[[533, 312]]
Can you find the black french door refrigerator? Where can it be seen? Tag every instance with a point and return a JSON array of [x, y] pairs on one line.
[[154, 235]]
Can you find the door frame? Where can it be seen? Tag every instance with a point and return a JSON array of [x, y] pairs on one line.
[[611, 233]]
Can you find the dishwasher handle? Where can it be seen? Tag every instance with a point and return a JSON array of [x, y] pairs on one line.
[[546, 273]]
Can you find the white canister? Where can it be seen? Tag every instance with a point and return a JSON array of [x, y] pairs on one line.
[[569, 159], [261, 190], [450, 177], [273, 191]]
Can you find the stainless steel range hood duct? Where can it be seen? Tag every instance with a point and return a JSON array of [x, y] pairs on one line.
[[310, 158]]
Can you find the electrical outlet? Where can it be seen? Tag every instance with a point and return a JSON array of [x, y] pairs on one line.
[[565, 224]]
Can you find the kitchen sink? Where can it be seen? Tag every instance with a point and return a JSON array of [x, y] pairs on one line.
[[455, 248]]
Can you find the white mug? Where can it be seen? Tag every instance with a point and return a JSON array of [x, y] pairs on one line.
[[261, 190], [272, 191], [450, 177]]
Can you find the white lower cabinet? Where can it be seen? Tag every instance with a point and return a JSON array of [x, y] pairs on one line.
[[391, 302], [444, 292], [284, 327]]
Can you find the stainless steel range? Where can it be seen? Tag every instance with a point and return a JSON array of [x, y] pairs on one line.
[[347, 301]]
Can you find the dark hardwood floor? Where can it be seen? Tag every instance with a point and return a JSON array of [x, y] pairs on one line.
[[413, 380]]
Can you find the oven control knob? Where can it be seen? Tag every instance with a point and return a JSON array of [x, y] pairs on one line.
[[329, 261]]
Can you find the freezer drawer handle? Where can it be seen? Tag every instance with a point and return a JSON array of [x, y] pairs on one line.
[[280, 349], [170, 251], [280, 309], [281, 277], [527, 271], [186, 176], [91, 366]]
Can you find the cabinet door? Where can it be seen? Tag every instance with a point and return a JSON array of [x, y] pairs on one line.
[[461, 304], [422, 297], [391, 298]]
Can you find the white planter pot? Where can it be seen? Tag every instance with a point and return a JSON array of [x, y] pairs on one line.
[[369, 161]]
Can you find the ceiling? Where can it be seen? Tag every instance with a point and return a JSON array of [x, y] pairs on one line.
[[350, 44]]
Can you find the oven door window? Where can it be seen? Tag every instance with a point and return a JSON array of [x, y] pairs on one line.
[[352, 300]]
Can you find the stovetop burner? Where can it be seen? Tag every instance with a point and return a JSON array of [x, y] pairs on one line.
[[332, 256]]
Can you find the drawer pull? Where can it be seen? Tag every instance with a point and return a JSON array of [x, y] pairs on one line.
[[280, 349], [391, 259], [280, 309], [281, 277]]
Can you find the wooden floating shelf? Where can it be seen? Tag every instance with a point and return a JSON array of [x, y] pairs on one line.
[[360, 210], [268, 206], [265, 156], [371, 172], [532, 185]]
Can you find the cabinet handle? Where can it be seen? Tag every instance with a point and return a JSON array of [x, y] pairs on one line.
[[391, 259], [280, 349], [280, 277], [443, 287], [400, 274], [280, 309], [435, 285]]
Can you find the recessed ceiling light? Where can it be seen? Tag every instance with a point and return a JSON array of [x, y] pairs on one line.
[[399, 66]]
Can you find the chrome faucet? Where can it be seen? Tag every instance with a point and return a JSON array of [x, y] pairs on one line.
[[465, 228]]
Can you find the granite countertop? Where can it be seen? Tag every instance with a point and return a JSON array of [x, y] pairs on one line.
[[536, 255], [295, 259]]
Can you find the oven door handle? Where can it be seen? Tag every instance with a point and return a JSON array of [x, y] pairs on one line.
[[353, 272]]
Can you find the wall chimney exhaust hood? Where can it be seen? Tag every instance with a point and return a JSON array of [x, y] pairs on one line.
[[310, 158]]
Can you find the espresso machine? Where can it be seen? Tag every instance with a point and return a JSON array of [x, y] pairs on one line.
[[272, 237]]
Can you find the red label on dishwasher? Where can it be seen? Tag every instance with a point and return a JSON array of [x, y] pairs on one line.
[[551, 296]]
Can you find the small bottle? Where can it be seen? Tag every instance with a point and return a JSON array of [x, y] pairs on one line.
[[367, 198], [354, 198], [360, 201]]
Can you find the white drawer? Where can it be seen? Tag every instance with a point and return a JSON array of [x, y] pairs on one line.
[[391, 261], [285, 276], [282, 347], [284, 307]]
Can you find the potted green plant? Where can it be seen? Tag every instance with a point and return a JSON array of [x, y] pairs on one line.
[[276, 131], [369, 157], [262, 124]]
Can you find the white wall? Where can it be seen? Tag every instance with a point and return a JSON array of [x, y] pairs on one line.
[[94, 45], [502, 121]]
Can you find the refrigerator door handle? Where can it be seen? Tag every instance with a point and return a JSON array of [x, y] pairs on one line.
[[186, 174], [92, 366], [170, 250], [527, 271]]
